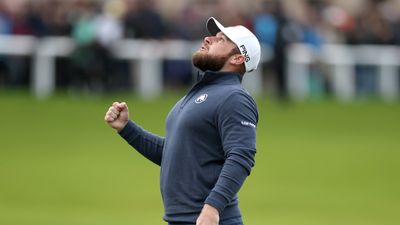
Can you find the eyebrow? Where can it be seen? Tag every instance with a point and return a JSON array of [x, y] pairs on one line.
[[220, 34]]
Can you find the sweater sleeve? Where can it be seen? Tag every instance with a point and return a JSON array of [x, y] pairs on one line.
[[237, 120], [146, 143]]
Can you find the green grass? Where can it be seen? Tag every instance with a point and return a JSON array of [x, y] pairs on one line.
[[318, 163]]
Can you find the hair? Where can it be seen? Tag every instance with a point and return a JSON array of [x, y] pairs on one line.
[[242, 67]]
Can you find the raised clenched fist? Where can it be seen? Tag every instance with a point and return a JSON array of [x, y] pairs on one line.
[[117, 115]]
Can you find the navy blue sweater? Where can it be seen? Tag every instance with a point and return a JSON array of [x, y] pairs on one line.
[[208, 150]]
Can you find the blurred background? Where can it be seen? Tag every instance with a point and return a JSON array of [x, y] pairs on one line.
[[327, 90]]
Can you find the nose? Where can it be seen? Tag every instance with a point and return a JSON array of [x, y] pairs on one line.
[[208, 40]]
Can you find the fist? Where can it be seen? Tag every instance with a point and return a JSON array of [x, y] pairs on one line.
[[117, 116], [208, 216]]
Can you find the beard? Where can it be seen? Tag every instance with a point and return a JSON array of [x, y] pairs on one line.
[[204, 62]]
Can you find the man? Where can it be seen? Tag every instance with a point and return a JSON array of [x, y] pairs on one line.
[[210, 141]]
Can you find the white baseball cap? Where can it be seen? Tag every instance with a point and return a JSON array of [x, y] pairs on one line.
[[244, 39]]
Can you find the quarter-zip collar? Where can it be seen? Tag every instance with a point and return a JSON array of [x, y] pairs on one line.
[[218, 77]]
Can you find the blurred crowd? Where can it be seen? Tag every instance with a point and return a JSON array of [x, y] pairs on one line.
[[95, 24]]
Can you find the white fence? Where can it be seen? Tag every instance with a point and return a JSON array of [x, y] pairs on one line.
[[342, 59], [147, 57], [144, 56]]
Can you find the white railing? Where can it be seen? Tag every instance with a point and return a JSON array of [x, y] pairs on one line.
[[342, 59], [146, 60]]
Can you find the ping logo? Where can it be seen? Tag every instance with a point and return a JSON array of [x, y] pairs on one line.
[[201, 98], [244, 53]]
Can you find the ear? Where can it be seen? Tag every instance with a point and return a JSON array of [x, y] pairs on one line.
[[237, 59]]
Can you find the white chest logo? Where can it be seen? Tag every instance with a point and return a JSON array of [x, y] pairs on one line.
[[201, 98]]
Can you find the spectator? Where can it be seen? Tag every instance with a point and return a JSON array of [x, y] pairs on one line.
[[371, 28], [56, 16], [35, 17], [286, 32], [109, 29], [391, 12], [88, 71], [5, 21], [19, 18], [143, 21], [5, 28], [265, 23], [18, 66], [109, 24], [188, 24]]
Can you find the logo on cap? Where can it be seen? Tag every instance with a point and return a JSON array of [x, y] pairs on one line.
[[244, 52]]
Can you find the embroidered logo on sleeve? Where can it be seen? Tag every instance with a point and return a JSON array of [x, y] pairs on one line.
[[245, 123], [201, 98]]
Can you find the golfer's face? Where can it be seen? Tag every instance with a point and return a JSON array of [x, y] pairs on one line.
[[218, 45]]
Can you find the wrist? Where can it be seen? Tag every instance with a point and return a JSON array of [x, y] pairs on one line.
[[120, 128], [210, 209]]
